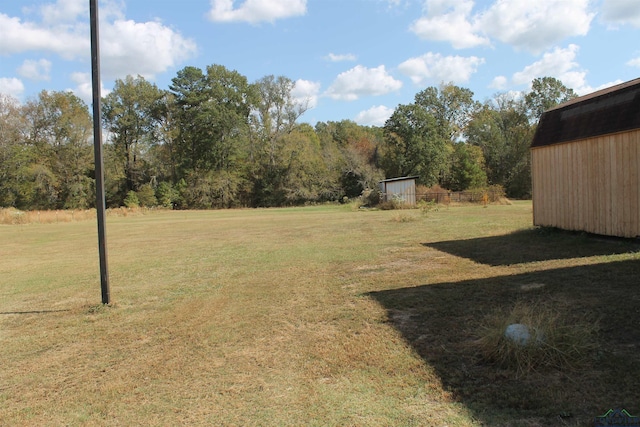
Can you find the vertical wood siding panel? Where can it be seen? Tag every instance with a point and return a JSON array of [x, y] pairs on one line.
[[616, 188], [635, 178], [591, 185], [561, 179], [625, 198], [596, 177], [564, 197], [554, 186], [603, 193], [535, 185], [582, 179]]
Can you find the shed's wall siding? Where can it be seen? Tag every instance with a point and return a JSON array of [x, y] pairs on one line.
[[404, 188], [591, 185]]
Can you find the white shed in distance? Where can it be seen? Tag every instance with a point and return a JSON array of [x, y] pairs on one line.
[[401, 189]]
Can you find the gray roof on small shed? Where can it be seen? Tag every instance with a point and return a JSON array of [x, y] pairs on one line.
[[607, 111], [402, 178]]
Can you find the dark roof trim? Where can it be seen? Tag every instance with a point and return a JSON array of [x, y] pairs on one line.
[[611, 110], [402, 178]]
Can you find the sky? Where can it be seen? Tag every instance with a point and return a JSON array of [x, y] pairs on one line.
[[350, 59]]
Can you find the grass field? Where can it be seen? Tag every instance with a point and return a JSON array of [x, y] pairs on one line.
[[324, 316]]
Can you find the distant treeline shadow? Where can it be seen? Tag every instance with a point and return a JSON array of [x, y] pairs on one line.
[[444, 321], [536, 244]]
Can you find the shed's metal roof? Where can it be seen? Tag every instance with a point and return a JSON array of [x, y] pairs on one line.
[[610, 110], [402, 178]]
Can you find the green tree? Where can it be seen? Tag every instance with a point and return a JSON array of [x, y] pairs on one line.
[[546, 93], [166, 194], [131, 201], [146, 196], [306, 177], [503, 132], [414, 144], [451, 106], [211, 143], [275, 113], [273, 118], [351, 154], [467, 168], [130, 115], [59, 136], [212, 117], [14, 156], [162, 156]]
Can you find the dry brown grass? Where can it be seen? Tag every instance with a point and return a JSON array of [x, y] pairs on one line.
[[566, 344], [12, 216], [315, 316]]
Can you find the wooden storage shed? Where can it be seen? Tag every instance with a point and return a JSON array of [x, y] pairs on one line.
[[403, 188], [585, 161]]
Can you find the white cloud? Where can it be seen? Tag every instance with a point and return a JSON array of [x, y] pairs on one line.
[[254, 11], [374, 116], [634, 62], [17, 36], [11, 86], [64, 11], [339, 58], [499, 83], [449, 20], [434, 66], [84, 87], [306, 92], [621, 12], [144, 48], [361, 81], [127, 47], [603, 86], [529, 25], [35, 70], [559, 63], [536, 25]]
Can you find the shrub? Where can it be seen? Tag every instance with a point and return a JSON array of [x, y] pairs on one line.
[[556, 341], [426, 207], [146, 196], [434, 193], [371, 197], [166, 195], [131, 201]]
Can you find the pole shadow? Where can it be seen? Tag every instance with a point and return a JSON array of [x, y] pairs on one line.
[[444, 321]]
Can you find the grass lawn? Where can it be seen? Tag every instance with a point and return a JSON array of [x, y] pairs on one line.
[[321, 316]]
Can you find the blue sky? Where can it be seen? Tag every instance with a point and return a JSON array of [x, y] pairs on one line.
[[350, 59]]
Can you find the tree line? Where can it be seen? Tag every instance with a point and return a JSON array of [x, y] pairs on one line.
[[214, 140]]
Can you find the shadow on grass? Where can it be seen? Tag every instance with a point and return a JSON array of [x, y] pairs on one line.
[[442, 322], [33, 312], [536, 244]]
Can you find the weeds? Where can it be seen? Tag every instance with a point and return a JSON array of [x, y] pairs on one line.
[[12, 216], [555, 342], [426, 207], [403, 216]]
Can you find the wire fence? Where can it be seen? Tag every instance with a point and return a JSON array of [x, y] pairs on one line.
[[472, 196]]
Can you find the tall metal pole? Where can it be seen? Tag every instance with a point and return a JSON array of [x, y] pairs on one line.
[[97, 150]]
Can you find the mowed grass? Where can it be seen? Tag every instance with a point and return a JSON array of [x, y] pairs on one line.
[[305, 316]]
